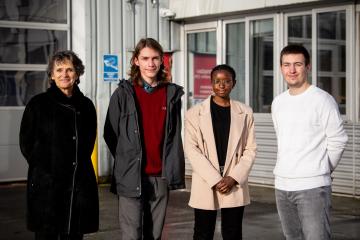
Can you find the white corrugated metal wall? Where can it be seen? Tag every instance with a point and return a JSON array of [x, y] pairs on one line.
[[266, 152], [346, 175]]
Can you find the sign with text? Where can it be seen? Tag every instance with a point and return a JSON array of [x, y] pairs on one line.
[[168, 65], [203, 63], [111, 68]]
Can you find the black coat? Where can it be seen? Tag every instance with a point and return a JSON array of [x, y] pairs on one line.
[[57, 137]]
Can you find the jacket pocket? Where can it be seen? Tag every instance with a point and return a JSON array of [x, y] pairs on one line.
[[129, 133]]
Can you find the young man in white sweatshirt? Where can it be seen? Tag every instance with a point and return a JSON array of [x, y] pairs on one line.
[[311, 140]]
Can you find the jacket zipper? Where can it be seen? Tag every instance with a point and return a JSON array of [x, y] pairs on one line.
[[140, 158]]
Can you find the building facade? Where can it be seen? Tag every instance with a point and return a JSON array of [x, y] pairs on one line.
[[196, 35]]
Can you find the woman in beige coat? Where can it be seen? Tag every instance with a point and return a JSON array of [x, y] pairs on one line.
[[220, 145]]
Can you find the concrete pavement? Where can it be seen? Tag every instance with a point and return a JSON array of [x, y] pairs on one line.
[[260, 220]]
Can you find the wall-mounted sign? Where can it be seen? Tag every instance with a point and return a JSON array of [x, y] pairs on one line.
[[203, 63], [111, 68], [168, 65]]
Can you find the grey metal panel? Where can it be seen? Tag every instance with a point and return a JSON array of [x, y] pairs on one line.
[[102, 36], [175, 36], [116, 29], [152, 20], [128, 15], [140, 19], [344, 174], [164, 27], [356, 156], [347, 173], [164, 33], [195, 8], [13, 166], [261, 172]]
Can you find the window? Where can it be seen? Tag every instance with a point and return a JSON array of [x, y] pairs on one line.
[[18, 87], [249, 45], [261, 65], [254, 65], [30, 46], [201, 58], [44, 11], [235, 57], [299, 32], [330, 48], [331, 62], [25, 48]]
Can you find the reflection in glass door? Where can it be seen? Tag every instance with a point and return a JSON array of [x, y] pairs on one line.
[[261, 65], [201, 58], [331, 52], [299, 30], [330, 60], [235, 57]]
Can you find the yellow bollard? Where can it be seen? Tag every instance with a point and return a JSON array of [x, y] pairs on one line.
[[94, 158]]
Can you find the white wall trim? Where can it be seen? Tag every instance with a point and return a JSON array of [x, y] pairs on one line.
[[34, 25]]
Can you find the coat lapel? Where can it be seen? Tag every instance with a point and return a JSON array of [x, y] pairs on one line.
[[236, 129], [206, 128]]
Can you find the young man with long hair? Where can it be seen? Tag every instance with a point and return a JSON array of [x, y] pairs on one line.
[[143, 133]]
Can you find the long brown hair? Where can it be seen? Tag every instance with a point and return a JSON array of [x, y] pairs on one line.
[[135, 70]]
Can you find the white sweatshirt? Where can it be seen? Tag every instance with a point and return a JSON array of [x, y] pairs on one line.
[[311, 139]]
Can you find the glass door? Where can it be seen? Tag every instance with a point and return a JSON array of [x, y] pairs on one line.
[[201, 58]]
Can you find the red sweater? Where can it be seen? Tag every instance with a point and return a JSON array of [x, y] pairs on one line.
[[152, 115]]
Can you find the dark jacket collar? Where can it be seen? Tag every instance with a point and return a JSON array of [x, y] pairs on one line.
[[56, 94], [174, 91]]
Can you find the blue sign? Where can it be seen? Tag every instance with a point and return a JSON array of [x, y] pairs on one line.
[[111, 69], [110, 75]]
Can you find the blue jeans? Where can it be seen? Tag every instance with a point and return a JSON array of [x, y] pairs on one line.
[[305, 214]]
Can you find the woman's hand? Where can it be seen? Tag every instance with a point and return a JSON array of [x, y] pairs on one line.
[[225, 185]]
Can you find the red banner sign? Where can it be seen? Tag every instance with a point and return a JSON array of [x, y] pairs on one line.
[[203, 63]]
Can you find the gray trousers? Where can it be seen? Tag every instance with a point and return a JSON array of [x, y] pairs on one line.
[[305, 214], [143, 217]]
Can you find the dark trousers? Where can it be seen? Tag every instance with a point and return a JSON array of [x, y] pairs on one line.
[[144, 217], [231, 223], [58, 236]]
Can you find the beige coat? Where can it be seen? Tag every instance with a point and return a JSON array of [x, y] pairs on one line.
[[200, 150]]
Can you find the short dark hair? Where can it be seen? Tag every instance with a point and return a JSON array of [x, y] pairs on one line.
[[153, 44], [224, 67], [61, 56], [295, 49]]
